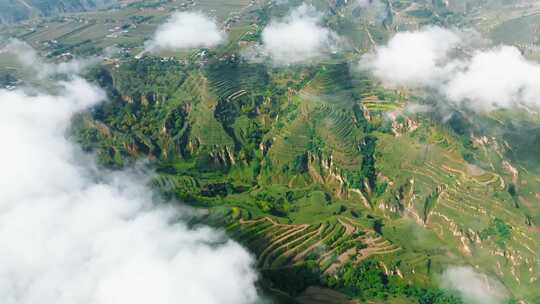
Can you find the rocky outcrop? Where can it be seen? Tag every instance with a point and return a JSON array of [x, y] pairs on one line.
[[323, 170], [403, 127]]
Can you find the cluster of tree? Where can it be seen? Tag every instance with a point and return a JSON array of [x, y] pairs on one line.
[[368, 161], [365, 281], [150, 78], [276, 204], [298, 166], [499, 231], [294, 280], [132, 123], [368, 281]]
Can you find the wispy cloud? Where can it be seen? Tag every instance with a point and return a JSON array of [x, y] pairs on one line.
[[74, 234], [29, 58], [475, 288], [186, 30]]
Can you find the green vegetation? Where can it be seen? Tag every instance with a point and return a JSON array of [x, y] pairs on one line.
[[369, 281], [499, 231], [319, 170], [316, 187]]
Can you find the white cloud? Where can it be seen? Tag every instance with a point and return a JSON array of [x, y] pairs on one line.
[[413, 58], [74, 234], [296, 39], [499, 77], [484, 79], [474, 287], [186, 30]]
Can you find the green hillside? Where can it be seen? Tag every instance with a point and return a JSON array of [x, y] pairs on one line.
[[339, 191], [313, 177]]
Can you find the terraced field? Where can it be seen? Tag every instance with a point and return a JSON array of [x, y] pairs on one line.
[[330, 244], [333, 83], [372, 103], [465, 204], [170, 182], [206, 130], [303, 199], [337, 128], [291, 142], [230, 82], [323, 122], [128, 27]]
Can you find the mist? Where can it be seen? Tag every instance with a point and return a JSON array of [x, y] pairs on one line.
[[29, 58], [474, 288], [73, 233]]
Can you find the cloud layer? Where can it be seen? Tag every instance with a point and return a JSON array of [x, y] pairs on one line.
[[296, 39], [474, 287], [436, 58], [186, 30], [73, 234]]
